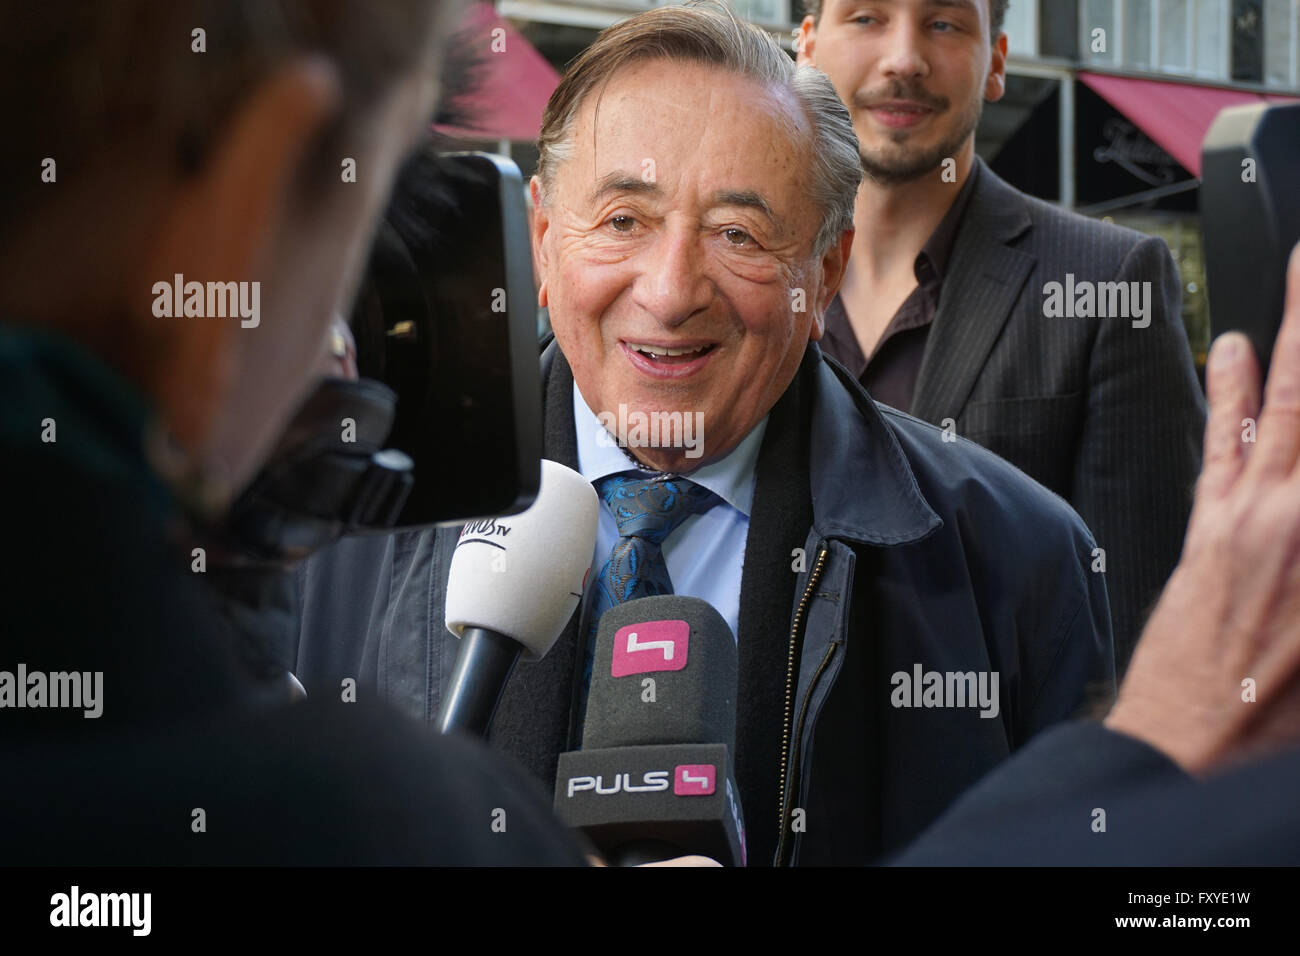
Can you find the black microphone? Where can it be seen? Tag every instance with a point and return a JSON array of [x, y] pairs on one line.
[[655, 777], [513, 585]]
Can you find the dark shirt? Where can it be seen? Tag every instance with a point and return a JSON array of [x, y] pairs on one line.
[[889, 374]]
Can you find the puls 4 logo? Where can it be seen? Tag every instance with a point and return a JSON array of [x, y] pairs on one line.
[[688, 780], [650, 646], [695, 780], [651, 781]]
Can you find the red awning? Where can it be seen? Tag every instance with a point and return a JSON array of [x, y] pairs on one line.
[[1175, 115], [515, 81]]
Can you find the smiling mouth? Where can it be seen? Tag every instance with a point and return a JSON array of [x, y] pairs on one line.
[[668, 356], [900, 114]]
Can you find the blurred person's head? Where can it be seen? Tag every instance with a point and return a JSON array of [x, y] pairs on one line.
[[914, 73], [210, 139], [695, 192]]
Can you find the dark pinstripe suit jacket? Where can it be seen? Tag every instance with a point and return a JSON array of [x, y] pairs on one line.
[[1107, 414]]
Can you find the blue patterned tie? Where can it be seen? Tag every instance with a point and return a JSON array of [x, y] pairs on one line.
[[647, 512]]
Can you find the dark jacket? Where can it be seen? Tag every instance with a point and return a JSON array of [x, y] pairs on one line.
[[1041, 808], [874, 546], [1108, 415]]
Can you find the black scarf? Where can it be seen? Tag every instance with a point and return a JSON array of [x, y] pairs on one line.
[[533, 720]]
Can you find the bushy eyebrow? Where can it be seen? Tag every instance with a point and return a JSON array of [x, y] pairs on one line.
[[747, 198], [618, 182]]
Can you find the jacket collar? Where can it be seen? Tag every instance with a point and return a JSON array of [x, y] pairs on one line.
[[863, 488], [982, 283]]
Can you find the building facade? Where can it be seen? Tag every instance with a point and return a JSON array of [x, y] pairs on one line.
[[1107, 100]]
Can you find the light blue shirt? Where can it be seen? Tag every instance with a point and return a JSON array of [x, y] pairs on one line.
[[705, 554]]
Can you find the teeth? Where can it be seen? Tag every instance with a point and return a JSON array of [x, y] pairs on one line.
[[656, 350]]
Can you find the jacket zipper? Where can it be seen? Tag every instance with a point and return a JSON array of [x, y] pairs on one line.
[[798, 733], [790, 674]]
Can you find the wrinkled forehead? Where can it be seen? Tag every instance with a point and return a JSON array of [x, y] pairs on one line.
[[687, 125]]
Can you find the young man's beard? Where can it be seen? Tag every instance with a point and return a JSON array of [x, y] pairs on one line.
[[906, 166]]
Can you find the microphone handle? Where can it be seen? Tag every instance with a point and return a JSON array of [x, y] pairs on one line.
[[483, 666]]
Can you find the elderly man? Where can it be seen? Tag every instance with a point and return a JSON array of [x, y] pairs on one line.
[[692, 219]]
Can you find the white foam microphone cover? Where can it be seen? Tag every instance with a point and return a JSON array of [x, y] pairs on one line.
[[523, 575]]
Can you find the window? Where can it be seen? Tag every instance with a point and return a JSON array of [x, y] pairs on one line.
[[1021, 28], [769, 13], [1174, 55], [1137, 35], [1213, 32], [1209, 38], [1282, 43], [1098, 38], [1184, 37]]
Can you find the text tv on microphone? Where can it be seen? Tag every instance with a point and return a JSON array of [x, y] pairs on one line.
[[514, 583]]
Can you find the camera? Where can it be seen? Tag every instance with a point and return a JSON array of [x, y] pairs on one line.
[[444, 423]]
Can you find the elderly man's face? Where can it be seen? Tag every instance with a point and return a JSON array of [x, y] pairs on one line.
[[682, 224], [914, 74]]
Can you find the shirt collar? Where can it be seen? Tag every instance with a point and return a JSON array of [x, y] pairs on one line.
[[929, 267], [731, 478], [938, 248]]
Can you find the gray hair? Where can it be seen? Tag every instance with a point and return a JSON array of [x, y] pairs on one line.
[[711, 34]]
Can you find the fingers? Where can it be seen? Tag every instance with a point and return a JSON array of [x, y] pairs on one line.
[[687, 861], [1279, 422], [1232, 387]]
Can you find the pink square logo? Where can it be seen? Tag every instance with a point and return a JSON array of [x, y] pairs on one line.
[[694, 779], [650, 646]]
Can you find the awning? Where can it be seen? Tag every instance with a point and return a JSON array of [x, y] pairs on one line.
[[1175, 115], [515, 81]]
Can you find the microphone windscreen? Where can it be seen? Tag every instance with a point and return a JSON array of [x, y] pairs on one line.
[[679, 798], [664, 673], [523, 575]]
